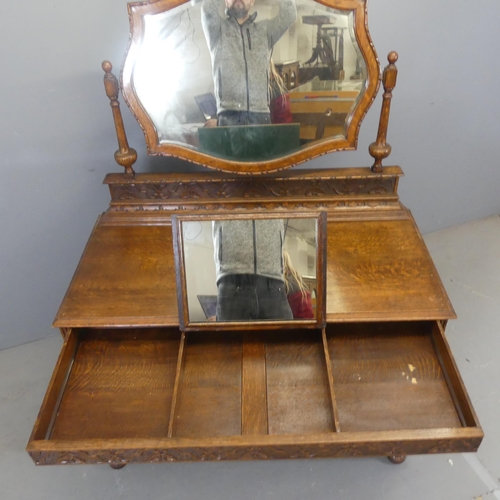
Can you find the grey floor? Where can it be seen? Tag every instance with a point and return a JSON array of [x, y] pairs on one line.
[[468, 260]]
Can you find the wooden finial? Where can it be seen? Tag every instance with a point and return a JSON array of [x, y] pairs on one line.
[[380, 149], [124, 156]]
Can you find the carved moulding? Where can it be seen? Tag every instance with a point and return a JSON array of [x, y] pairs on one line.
[[229, 190], [327, 449], [324, 189]]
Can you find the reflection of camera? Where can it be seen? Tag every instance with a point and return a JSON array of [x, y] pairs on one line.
[[207, 105]]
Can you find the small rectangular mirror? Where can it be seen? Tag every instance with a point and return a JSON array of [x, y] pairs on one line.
[[247, 271]]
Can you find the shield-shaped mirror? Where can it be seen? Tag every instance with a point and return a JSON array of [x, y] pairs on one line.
[[249, 86]]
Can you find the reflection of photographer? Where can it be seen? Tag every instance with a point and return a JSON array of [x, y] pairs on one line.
[[249, 269], [241, 50], [279, 105]]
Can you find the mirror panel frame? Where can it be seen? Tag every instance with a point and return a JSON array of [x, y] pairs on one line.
[[138, 10], [180, 272]]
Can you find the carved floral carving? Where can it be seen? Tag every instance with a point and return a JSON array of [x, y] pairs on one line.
[[248, 452], [255, 189]]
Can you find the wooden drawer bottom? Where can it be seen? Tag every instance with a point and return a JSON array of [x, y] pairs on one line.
[[143, 395]]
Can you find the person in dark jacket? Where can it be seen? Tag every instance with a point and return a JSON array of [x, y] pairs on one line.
[[249, 268], [241, 49]]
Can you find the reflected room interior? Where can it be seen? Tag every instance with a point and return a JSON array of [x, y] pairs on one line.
[[317, 59], [300, 244]]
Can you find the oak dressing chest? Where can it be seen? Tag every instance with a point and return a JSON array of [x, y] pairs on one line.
[[140, 380]]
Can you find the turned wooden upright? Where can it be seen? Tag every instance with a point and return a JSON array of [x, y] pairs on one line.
[[125, 155], [380, 149]]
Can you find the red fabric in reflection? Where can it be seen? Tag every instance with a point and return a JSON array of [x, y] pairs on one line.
[[301, 305]]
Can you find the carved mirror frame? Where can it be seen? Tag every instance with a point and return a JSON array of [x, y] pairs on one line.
[[138, 11]]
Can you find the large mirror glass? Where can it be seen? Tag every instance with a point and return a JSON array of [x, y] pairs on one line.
[[249, 81], [247, 270]]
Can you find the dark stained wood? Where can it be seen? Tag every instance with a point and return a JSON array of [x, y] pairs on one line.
[[381, 270], [117, 466], [334, 190], [120, 385], [397, 458], [380, 149], [321, 269], [125, 278], [388, 377], [180, 274], [309, 174], [335, 444], [254, 393], [65, 332]]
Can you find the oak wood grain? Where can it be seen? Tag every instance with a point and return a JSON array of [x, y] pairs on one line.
[[125, 278], [380, 149], [45, 419], [331, 382], [297, 389], [178, 375], [254, 391], [382, 270], [297, 384], [120, 385], [339, 444], [454, 380], [124, 156], [388, 377], [209, 399]]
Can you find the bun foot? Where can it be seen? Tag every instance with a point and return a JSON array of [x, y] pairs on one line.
[[397, 458], [116, 465]]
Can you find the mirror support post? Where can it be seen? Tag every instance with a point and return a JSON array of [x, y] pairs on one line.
[[124, 156], [380, 149]]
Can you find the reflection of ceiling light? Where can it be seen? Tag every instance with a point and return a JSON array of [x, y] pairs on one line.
[[159, 69]]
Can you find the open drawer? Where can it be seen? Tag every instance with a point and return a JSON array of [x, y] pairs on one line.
[[354, 389]]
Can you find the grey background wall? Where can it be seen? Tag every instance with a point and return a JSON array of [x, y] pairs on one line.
[[57, 138]]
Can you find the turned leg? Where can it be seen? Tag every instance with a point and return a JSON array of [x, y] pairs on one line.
[[117, 465], [397, 458]]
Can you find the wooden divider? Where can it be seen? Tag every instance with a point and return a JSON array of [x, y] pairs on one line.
[[173, 406], [331, 382], [254, 388]]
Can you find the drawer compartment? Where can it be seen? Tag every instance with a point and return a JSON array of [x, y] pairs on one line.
[[252, 384], [209, 394], [119, 385], [353, 389], [388, 377]]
